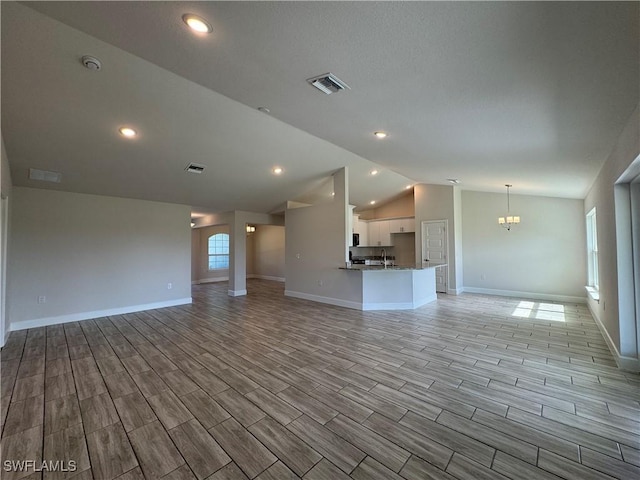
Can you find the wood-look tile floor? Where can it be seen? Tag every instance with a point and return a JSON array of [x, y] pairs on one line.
[[267, 387]]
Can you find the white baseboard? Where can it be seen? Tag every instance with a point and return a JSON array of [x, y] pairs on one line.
[[399, 306], [361, 306], [629, 364], [387, 306], [226, 279], [454, 291], [317, 298], [210, 280], [237, 293], [536, 296], [266, 277], [425, 300], [76, 317]]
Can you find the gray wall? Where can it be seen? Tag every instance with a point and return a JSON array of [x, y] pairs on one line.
[[316, 247], [200, 255], [265, 252], [195, 255], [403, 206], [438, 202], [544, 255], [242, 261], [5, 221], [601, 196], [91, 254], [5, 171]]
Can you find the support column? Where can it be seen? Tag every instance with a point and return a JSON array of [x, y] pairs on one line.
[[237, 256]]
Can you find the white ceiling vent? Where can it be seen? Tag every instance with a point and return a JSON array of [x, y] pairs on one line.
[[195, 168], [44, 175], [328, 83]]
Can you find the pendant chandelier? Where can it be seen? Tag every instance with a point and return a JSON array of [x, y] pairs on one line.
[[508, 220]]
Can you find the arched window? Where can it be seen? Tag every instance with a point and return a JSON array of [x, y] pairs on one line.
[[219, 251]]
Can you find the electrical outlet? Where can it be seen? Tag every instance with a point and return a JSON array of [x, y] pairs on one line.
[[169, 286], [483, 277], [42, 299], [320, 282], [297, 255]]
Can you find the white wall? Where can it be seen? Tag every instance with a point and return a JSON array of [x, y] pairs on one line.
[[266, 249], [93, 255], [601, 196], [543, 257]]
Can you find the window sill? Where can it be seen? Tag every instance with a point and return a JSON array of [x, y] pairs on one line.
[[594, 293]]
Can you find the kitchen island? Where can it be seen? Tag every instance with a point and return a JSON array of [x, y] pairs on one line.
[[393, 288]]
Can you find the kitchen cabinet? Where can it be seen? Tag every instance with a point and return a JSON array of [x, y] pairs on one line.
[[379, 233], [361, 227], [350, 229], [402, 225]]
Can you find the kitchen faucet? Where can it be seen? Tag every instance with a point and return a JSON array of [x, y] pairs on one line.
[[383, 254]]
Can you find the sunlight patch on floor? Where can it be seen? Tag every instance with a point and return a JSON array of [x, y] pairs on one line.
[[539, 311]]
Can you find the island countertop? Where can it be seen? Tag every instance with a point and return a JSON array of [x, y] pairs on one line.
[[391, 268], [400, 287]]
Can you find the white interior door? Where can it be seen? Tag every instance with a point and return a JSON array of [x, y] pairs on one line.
[[434, 250]]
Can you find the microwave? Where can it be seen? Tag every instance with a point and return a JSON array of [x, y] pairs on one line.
[[356, 239]]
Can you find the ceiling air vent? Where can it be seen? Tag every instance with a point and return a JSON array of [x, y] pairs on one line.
[[328, 83], [195, 168], [44, 175]]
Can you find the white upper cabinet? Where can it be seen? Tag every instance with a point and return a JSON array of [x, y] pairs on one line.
[[351, 225], [379, 233], [402, 225], [361, 227]]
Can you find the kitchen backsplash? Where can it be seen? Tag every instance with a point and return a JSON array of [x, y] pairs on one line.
[[371, 251]]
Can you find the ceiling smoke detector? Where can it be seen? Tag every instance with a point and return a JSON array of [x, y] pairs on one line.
[[328, 83], [92, 63], [194, 168]]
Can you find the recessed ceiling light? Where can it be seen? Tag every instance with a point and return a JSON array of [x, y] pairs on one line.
[[197, 23], [453, 181], [264, 110], [127, 132], [277, 170], [407, 187], [372, 202], [373, 172], [333, 194], [380, 134]]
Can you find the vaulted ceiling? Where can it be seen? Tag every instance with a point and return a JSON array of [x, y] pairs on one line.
[[528, 93]]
